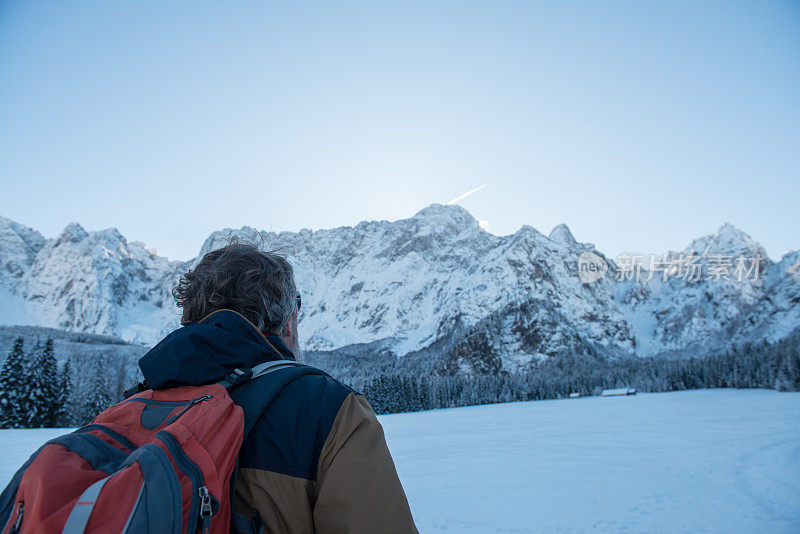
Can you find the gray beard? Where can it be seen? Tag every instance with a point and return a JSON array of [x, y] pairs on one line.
[[294, 344], [298, 352]]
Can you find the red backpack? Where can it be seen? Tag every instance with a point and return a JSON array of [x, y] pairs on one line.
[[158, 461]]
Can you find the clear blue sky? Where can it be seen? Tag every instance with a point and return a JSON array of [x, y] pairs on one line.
[[639, 124]]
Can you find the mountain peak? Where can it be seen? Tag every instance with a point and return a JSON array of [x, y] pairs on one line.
[[18, 247], [221, 238], [562, 234], [451, 215], [29, 236], [728, 240], [73, 233], [729, 234], [442, 210]]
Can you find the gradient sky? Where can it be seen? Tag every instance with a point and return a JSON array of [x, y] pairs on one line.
[[639, 124]]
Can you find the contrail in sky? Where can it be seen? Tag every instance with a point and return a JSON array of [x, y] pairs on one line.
[[465, 195]]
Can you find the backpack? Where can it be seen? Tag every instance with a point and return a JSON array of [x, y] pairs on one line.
[[157, 462]]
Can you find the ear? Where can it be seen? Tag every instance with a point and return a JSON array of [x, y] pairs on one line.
[[288, 327]]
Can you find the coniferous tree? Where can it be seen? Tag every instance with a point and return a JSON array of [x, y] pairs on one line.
[[378, 390], [28, 383], [98, 399], [52, 382], [42, 387], [788, 375], [12, 391], [63, 416]]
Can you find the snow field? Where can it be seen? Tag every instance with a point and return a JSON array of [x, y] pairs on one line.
[[692, 461]]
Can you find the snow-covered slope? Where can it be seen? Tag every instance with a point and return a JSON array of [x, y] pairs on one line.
[[678, 313], [18, 247], [439, 279], [92, 282], [435, 282]]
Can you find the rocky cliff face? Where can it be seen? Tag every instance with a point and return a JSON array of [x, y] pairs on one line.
[[90, 282], [433, 283]]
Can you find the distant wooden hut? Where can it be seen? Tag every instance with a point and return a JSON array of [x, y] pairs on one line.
[[619, 392]]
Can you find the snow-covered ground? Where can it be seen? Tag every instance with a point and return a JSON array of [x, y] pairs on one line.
[[696, 461]]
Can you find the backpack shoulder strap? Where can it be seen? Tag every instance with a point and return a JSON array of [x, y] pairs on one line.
[[254, 395], [267, 380]]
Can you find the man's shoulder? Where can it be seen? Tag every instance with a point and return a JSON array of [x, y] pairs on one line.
[[316, 390], [290, 434]]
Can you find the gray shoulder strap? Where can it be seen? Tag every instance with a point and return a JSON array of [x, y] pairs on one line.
[[258, 370], [267, 367]]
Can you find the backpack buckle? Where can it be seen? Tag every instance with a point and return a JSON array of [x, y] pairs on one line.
[[237, 376], [133, 390]]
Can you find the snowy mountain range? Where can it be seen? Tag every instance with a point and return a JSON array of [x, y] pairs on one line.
[[434, 283]]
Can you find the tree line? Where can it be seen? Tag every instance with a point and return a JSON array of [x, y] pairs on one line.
[[761, 365], [35, 392]]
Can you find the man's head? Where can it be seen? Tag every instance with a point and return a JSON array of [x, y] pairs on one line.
[[240, 277]]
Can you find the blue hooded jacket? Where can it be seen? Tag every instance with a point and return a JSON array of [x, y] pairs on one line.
[[316, 460]]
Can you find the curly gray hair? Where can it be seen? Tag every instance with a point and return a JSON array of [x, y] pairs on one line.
[[240, 277]]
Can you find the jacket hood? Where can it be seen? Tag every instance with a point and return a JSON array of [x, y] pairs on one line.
[[205, 352]]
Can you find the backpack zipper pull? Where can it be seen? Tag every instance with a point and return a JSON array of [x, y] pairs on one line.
[[198, 400], [206, 510], [18, 521], [186, 408]]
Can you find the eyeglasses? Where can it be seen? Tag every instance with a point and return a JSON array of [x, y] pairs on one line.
[[299, 301]]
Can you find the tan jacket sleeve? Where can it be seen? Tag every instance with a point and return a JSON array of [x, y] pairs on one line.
[[358, 490]]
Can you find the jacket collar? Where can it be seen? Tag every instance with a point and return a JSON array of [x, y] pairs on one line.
[[207, 351]]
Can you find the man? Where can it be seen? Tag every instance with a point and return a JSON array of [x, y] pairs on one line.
[[316, 460]]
